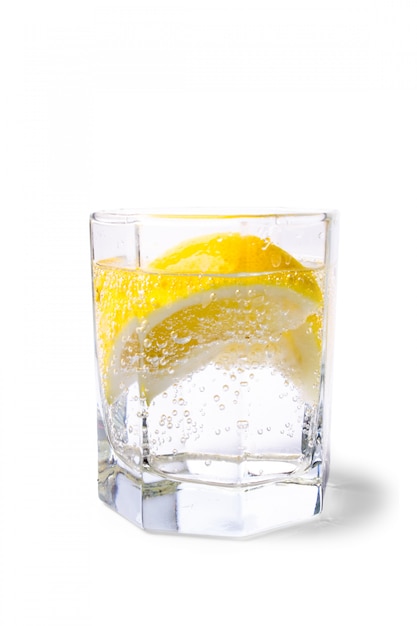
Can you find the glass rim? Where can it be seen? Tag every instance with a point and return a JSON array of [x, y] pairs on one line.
[[127, 216]]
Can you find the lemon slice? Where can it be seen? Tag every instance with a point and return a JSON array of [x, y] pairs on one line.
[[181, 337], [198, 304]]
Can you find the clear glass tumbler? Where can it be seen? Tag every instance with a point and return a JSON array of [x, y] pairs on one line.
[[213, 347]]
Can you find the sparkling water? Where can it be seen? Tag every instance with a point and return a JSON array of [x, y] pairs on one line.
[[246, 424]]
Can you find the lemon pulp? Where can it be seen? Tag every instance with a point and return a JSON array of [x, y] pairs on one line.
[[217, 299]]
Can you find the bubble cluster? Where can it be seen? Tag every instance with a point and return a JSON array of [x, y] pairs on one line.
[[233, 408]]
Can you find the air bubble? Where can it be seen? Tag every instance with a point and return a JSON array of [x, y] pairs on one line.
[[182, 340], [275, 259]]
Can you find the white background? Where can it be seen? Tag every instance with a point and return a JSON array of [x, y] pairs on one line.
[[295, 103]]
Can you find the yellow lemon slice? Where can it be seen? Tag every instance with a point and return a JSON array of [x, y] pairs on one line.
[[208, 300]]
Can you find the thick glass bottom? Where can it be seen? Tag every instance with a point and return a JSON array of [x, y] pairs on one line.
[[161, 504]]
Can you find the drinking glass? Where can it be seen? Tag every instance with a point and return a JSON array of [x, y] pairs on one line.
[[213, 337]]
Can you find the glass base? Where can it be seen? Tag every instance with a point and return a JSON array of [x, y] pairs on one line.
[[159, 504]]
